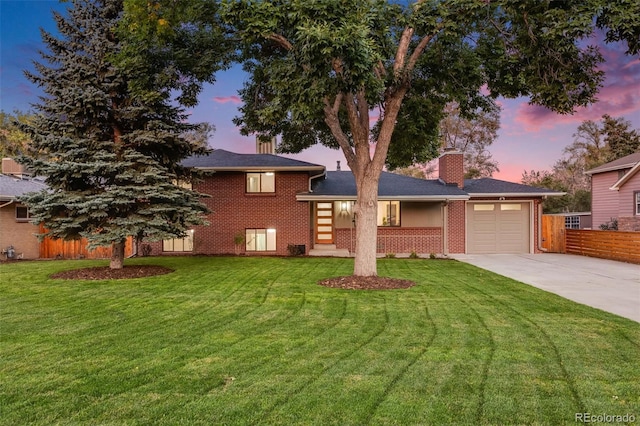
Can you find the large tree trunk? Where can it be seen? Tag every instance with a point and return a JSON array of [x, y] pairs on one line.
[[366, 210], [117, 255]]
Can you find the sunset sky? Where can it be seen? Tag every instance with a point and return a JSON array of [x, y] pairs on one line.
[[530, 137]]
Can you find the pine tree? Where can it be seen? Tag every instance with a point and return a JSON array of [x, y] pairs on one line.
[[111, 158]]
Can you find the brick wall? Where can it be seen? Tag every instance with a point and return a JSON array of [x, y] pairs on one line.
[[234, 211], [456, 226], [396, 240], [629, 223]]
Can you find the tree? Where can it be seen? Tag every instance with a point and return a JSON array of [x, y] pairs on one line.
[[619, 138], [472, 135], [320, 70], [13, 141], [594, 144], [110, 154]]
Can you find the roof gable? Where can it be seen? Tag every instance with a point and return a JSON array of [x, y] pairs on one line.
[[625, 178], [219, 159]]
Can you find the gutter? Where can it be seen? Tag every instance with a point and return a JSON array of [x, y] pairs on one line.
[[324, 173], [6, 204]]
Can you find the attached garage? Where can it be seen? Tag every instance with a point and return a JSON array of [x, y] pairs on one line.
[[498, 227]]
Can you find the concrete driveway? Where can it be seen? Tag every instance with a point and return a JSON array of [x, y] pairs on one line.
[[604, 284]]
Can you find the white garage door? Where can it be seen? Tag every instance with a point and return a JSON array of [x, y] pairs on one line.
[[498, 227]]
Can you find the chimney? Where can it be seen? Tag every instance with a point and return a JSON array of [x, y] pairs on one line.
[[11, 167], [451, 167], [338, 166], [265, 145]]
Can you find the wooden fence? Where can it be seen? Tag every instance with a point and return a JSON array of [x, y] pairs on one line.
[[614, 245], [77, 249], [553, 233]]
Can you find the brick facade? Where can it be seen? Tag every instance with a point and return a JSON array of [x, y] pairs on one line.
[[629, 223], [396, 240], [456, 219], [233, 210]]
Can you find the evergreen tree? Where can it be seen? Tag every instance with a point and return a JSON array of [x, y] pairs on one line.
[[110, 158]]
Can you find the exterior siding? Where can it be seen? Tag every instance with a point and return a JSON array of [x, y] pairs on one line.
[[626, 196], [604, 202], [20, 235]]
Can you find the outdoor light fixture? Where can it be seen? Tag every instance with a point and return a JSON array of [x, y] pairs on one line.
[[344, 207]]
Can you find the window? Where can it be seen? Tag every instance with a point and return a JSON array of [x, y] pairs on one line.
[[637, 202], [260, 239], [572, 222], [388, 213], [510, 207], [22, 214], [261, 182], [179, 244], [483, 207]]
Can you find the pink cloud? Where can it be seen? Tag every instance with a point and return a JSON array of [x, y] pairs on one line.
[[619, 96], [226, 99]]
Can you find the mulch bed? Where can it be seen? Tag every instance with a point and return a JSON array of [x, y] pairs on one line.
[[353, 282], [105, 273]]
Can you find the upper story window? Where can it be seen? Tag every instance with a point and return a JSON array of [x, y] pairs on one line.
[[637, 200], [388, 213], [261, 182], [23, 214]]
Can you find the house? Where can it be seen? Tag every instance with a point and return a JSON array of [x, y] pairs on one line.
[[268, 204], [615, 193], [17, 234]]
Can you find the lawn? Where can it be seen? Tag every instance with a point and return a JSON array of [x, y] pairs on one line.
[[246, 341]]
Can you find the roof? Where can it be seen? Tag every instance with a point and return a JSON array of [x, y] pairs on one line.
[[221, 160], [626, 162], [391, 186], [12, 186], [489, 187]]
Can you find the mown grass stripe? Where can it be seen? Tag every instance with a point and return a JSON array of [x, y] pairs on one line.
[[256, 340]]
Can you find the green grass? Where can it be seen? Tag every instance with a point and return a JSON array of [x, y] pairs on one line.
[[245, 341]]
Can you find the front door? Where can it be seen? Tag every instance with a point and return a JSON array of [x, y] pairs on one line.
[[324, 223]]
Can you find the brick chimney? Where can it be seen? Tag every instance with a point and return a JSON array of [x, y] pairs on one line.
[[451, 167], [11, 167]]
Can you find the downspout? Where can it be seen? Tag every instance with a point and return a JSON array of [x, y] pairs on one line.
[[542, 249], [324, 173], [445, 228]]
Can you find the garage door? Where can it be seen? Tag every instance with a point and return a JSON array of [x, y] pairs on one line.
[[498, 227]]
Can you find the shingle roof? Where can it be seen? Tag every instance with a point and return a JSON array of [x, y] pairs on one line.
[[489, 186], [342, 184], [220, 159], [625, 162], [12, 187]]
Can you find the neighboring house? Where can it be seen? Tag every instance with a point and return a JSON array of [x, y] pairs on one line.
[[267, 204], [615, 193], [16, 231]]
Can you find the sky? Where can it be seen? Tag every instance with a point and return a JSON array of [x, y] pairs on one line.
[[530, 137]]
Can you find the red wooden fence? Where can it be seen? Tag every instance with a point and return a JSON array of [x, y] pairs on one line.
[[615, 245], [77, 249]]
